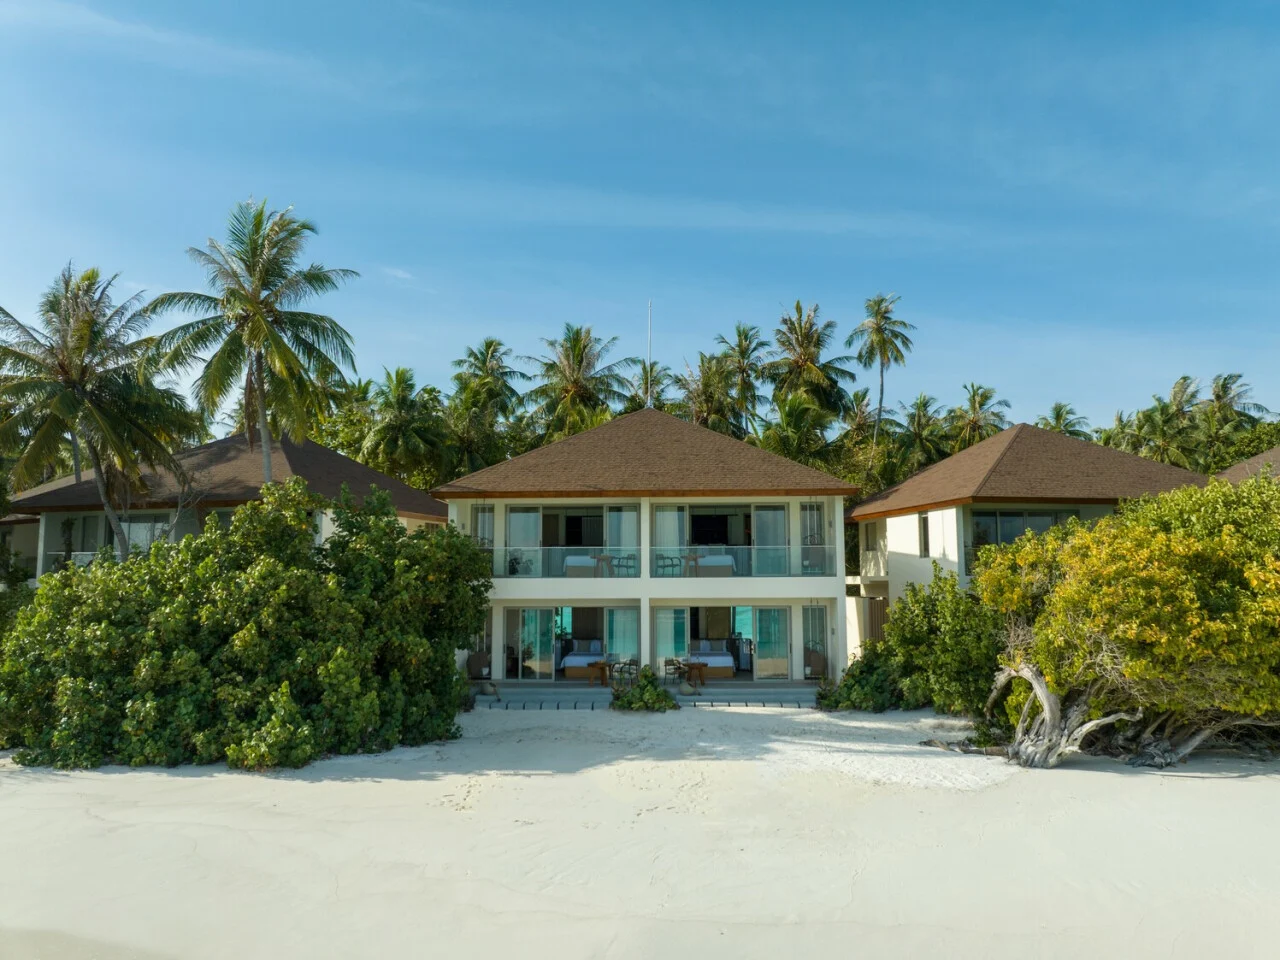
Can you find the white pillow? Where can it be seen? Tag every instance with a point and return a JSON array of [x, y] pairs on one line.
[[595, 646]]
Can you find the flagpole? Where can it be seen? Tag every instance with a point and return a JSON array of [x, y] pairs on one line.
[[648, 374]]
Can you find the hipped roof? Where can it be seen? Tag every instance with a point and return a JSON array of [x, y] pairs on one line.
[[645, 453], [1025, 464], [1256, 464], [228, 472]]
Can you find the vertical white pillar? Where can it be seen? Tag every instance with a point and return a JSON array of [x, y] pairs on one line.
[[794, 537], [498, 649], [838, 655], [40, 546], [646, 631], [797, 641], [646, 540]]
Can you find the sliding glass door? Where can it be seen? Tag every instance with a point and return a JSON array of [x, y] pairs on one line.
[[670, 534], [773, 646], [670, 635], [815, 641], [769, 538], [530, 643], [524, 540], [622, 633]]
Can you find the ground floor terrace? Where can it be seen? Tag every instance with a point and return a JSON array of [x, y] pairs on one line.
[[709, 642]]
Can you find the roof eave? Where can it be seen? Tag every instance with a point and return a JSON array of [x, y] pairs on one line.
[[856, 515], [463, 494]]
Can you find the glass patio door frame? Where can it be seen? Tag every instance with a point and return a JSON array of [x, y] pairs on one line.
[[756, 642]]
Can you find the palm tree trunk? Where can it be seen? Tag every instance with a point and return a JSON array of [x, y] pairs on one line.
[[113, 518], [264, 427], [75, 455], [875, 431]]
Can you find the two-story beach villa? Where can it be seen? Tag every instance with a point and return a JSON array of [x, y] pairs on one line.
[[652, 539]]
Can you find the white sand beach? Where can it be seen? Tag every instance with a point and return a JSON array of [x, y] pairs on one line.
[[717, 833]]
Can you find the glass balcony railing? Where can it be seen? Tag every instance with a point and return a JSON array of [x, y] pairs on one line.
[[585, 562], [594, 563], [717, 561]]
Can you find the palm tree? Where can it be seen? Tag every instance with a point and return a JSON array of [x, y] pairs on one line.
[[280, 357], [1231, 399], [1062, 418], [707, 394], [745, 356], [1213, 429], [1184, 397], [979, 417], [574, 380], [1165, 433], [82, 377], [648, 388], [924, 432], [407, 433], [859, 419], [882, 340], [799, 433], [799, 366], [1121, 435], [486, 377]]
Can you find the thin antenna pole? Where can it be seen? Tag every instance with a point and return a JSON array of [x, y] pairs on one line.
[[648, 374]]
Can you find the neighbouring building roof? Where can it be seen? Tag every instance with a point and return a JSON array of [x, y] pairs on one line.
[[1025, 464], [1247, 468], [646, 453], [228, 472]]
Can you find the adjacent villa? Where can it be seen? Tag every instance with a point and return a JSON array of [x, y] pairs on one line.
[[1024, 478], [1266, 462], [649, 540], [63, 521]]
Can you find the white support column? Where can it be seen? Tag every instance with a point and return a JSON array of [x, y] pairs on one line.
[[646, 541], [797, 641], [838, 655], [498, 649], [40, 550], [646, 631], [793, 538]]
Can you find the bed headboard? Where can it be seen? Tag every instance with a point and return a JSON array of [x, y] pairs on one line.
[[588, 645], [708, 645]]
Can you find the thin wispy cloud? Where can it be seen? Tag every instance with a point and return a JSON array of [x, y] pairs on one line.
[[62, 21], [395, 273]]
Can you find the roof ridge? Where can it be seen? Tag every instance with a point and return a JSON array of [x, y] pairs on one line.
[[1015, 430]]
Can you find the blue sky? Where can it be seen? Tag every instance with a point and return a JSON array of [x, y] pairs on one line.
[[1076, 201]]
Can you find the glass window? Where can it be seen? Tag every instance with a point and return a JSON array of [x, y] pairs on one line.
[[622, 526], [924, 535], [869, 535], [812, 530], [669, 527], [773, 657], [482, 524], [1039, 522], [815, 641], [1012, 526], [985, 528]]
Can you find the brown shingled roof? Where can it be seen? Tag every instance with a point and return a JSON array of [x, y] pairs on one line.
[[1025, 464], [646, 453], [1256, 464], [227, 472]]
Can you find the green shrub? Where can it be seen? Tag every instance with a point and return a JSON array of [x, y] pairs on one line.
[[646, 694], [249, 644], [940, 648]]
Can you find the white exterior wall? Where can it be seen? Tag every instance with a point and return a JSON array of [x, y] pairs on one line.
[[950, 533], [903, 560], [649, 593]]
